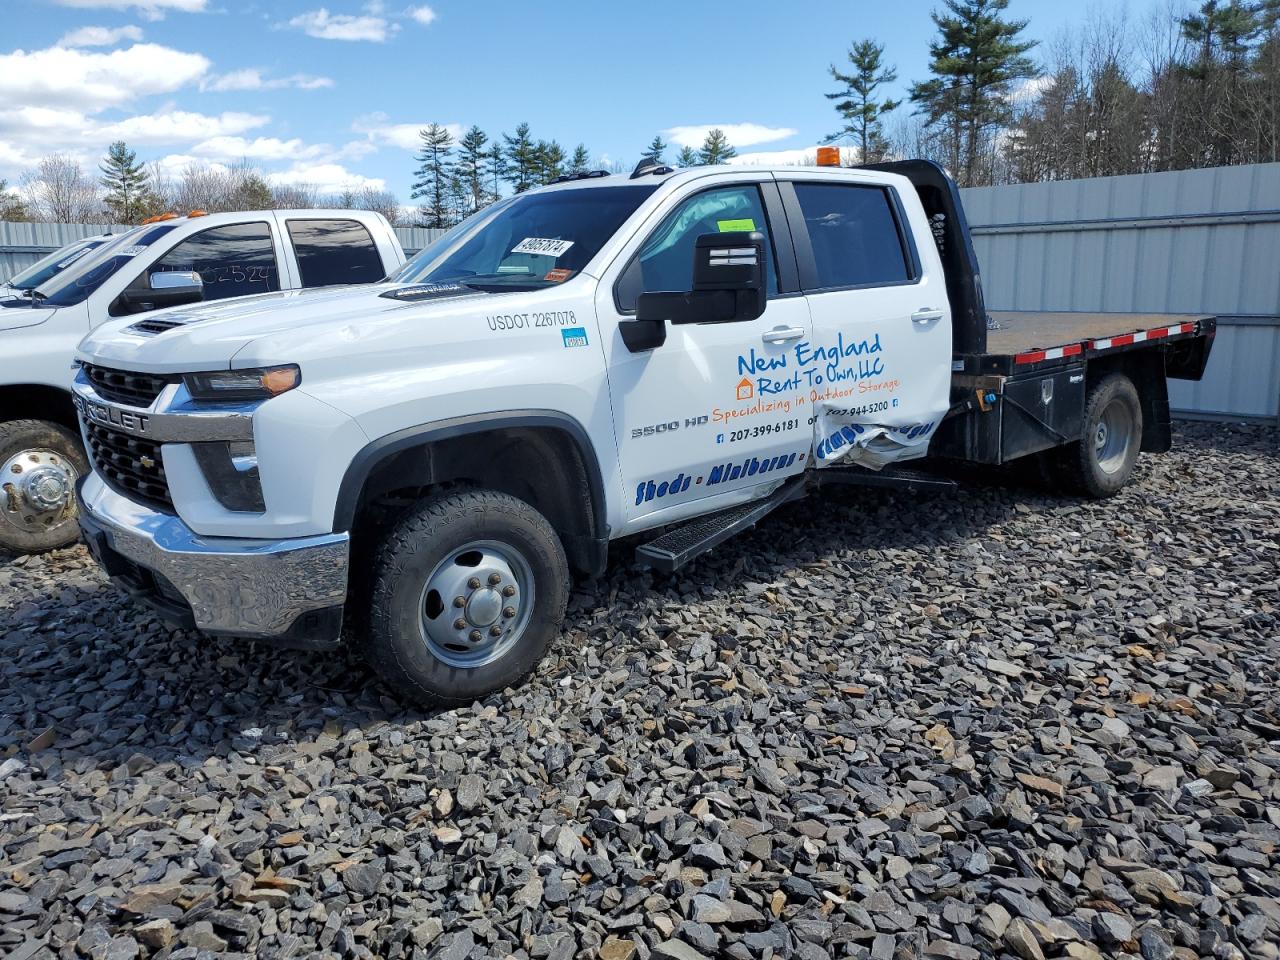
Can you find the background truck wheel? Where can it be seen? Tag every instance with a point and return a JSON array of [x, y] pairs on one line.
[[39, 465], [1104, 459], [469, 589]]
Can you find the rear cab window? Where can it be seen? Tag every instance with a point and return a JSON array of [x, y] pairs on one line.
[[331, 252], [856, 236]]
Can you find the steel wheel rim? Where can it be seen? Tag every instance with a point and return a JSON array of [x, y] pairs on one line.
[[37, 489], [1113, 436], [476, 604]]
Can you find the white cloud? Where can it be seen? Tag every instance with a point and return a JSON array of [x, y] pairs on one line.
[[327, 178], [150, 9], [91, 80], [100, 36], [259, 148], [738, 134], [424, 14], [377, 129], [178, 126], [799, 157], [342, 26], [252, 79], [1028, 90]]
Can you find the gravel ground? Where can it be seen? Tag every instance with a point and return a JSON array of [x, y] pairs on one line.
[[988, 723]]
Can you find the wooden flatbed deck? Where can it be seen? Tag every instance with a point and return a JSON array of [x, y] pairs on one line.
[[1025, 332]]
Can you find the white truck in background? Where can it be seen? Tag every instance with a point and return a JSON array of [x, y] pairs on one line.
[[169, 262], [665, 357], [21, 284]]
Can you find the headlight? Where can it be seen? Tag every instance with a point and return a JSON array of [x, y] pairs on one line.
[[260, 384]]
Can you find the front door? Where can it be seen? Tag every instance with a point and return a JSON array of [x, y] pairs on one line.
[[880, 360], [718, 410]]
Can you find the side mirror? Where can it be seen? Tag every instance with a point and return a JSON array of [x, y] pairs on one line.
[[167, 288], [728, 287]]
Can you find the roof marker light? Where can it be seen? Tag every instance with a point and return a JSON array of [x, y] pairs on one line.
[[828, 156]]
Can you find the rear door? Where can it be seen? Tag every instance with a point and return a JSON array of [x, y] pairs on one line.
[[879, 362], [329, 251]]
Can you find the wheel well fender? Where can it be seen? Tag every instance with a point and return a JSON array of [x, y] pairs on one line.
[[38, 401], [1145, 368], [541, 456]]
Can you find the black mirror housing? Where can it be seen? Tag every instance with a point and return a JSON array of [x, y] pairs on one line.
[[728, 287]]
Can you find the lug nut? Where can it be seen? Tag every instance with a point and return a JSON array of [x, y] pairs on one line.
[[459, 624], [16, 468], [476, 636], [508, 591], [474, 583], [508, 611], [33, 458], [495, 631], [459, 601], [495, 579]]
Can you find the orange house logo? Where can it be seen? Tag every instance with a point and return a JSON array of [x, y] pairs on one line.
[[745, 390]]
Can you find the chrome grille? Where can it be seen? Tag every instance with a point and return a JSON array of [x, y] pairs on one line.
[[130, 465], [124, 386]]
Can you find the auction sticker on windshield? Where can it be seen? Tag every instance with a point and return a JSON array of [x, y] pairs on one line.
[[546, 248]]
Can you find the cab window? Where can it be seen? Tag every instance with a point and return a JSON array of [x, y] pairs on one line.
[[665, 262], [334, 251], [855, 236], [233, 261]]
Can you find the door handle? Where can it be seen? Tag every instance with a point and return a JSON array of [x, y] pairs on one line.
[[926, 315], [782, 334]]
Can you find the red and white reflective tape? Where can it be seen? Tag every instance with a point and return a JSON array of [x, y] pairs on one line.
[[1057, 353], [1071, 350], [1125, 339]]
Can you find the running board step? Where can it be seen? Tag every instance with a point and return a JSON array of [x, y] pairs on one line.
[[682, 544], [909, 480]]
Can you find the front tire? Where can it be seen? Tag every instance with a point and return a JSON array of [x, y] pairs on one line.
[[1104, 459], [469, 589], [39, 465]]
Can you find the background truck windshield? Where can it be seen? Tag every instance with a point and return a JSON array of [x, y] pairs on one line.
[[74, 284], [40, 271], [538, 240]]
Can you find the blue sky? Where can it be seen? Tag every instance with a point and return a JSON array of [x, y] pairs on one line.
[[332, 93]]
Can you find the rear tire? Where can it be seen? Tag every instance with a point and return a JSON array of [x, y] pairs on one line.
[[1103, 461], [39, 465], [469, 589]]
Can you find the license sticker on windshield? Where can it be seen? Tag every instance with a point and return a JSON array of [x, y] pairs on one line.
[[545, 248]]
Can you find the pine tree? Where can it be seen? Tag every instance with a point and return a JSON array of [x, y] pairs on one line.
[[716, 148], [655, 151], [975, 61], [125, 181], [581, 160], [495, 170], [687, 157], [521, 160], [550, 160], [858, 103], [470, 166], [431, 179]]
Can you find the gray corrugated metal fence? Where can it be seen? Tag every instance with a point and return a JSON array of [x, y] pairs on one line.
[[1195, 241]]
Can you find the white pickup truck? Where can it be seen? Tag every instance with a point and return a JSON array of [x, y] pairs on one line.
[[21, 284], [665, 357], [176, 260]]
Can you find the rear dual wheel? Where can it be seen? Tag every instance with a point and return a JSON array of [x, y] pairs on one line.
[[1104, 459], [469, 589]]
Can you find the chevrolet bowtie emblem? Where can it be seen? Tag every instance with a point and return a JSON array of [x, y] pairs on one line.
[[146, 462]]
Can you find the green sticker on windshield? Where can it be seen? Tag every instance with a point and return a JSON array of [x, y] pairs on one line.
[[736, 226]]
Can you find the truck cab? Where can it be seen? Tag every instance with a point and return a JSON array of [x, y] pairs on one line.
[[135, 274], [664, 357]]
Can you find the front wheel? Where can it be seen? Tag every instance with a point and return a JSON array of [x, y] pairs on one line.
[[39, 465], [1107, 454], [469, 589]]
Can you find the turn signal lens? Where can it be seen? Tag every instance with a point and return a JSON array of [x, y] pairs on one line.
[[257, 384]]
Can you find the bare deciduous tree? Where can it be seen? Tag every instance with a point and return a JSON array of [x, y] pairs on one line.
[[59, 191]]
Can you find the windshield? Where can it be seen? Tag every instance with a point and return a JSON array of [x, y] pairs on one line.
[[536, 241], [75, 284], [55, 263], [418, 265]]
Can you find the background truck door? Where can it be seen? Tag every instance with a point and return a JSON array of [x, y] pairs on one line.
[[716, 410], [879, 363]]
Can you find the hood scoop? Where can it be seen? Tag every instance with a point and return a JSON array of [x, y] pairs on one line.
[[428, 291], [157, 325]]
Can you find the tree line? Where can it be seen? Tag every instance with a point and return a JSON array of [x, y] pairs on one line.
[[1111, 97]]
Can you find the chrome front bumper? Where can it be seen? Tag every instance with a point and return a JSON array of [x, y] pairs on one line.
[[288, 590]]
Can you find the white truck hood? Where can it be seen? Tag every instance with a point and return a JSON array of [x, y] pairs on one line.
[[208, 336]]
